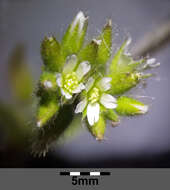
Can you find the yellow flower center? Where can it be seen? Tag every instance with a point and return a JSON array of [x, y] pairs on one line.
[[70, 82], [94, 95]]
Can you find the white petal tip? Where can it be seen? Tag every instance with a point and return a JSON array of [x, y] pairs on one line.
[[39, 124], [142, 109], [80, 19], [109, 23], [151, 61], [83, 68], [48, 84], [128, 42], [50, 38], [98, 42]]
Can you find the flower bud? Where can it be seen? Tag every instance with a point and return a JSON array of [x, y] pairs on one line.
[[74, 37], [50, 52], [129, 106], [98, 128]]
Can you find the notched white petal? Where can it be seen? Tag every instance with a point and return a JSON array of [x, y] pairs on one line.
[[70, 64], [108, 101], [89, 83], [81, 106], [66, 94], [104, 84], [83, 69], [79, 88], [93, 111]]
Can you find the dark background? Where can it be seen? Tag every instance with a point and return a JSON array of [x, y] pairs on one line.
[[138, 142]]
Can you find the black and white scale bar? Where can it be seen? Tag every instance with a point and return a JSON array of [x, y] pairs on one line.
[[84, 173]]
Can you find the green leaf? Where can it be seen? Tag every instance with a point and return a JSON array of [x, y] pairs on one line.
[[19, 75], [74, 37], [105, 41], [51, 54], [129, 106]]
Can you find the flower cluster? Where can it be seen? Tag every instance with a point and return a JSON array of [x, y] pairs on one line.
[[89, 78], [95, 98]]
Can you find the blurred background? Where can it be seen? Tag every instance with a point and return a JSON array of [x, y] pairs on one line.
[[142, 141]]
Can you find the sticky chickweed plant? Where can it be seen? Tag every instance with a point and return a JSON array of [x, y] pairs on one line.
[[85, 79]]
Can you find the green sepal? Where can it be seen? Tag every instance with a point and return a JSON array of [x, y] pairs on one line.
[[123, 62], [47, 109], [111, 115], [51, 54], [128, 106], [98, 129], [105, 43], [74, 37], [89, 52], [123, 71], [122, 82], [48, 78]]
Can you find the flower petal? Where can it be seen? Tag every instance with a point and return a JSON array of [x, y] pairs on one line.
[[89, 83], [70, 64], [59, 79], [82, 69], [104, 83], [80, 106], [93, 113], [108, 101], [66, 94], [79, 88]]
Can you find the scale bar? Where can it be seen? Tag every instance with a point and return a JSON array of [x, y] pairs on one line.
[[85, 173]]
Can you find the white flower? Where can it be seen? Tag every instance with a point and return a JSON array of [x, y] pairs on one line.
[[70, 79], [95, 97]]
